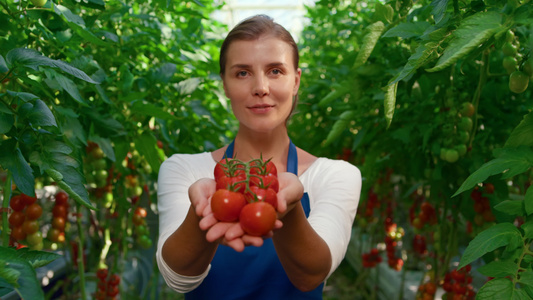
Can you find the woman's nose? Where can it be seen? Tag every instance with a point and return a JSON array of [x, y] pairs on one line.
[[260, 86]]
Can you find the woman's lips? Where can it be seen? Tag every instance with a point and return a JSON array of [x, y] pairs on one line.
[[261, 109]]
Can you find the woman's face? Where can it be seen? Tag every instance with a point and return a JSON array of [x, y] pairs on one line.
[[261, 81]]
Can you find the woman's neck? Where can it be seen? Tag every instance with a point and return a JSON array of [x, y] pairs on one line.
[[272, 145]]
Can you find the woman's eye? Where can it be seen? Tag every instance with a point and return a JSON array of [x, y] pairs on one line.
[[276, 71], [242, 74]]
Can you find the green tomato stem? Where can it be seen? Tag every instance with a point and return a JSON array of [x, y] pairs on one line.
[[5, 206]]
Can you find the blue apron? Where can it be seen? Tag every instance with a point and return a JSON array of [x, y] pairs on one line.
[[256, 273]]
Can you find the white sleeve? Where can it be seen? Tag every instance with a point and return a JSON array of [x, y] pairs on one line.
[[175, 177], [334, 189]]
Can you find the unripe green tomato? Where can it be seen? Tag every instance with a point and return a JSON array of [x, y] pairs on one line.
[[100, 164], [452, 155], [466, 124], [467, 109], [461, 149], [39, 3], [518, 82], [34, 238], [509, 49], [509, 36], [509, 63], [463, 136], [443, 152]]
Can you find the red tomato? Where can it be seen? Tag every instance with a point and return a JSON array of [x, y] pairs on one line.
[[30, 226], [268, 180], [267, 195], [59, 223], [60, 211], [28, 200], [17, 203], [18, 233], [229, 167], [61, 198], [237, 183], [114, 280], [227, 205], [141, 211], [34, 211], [263, 167], [16, 218], [257, 218], [102, 274]]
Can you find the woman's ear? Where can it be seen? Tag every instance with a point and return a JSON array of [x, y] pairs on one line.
[[297, 78]]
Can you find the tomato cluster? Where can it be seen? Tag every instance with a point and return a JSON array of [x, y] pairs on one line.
[[141, 228], [426, 291], [426, 216], [246, 192], [419, 244], [482, 204], [96, 169], [59, 218], [458, 284], [519, 73], [108, 285], [371, 258], [24, 221]]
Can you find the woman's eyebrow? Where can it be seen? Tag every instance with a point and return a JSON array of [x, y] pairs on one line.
[[246, 66]]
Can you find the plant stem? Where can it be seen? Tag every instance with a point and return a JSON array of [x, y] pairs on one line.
[[81, 265], [483, 74], [5, 206]]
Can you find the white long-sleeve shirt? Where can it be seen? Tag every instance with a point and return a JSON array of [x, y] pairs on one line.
[[333, 187]]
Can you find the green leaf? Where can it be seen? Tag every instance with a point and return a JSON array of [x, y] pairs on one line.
[[407, 30], [527, 227], [23, 261], [57, 146], [3, 65], [472, 32], [423, 54], [511, 207], [384, 13], [11, 158], [390, 102], [526, 278], [528, 201], [369, 42], [512, 161], [344, 120], [41, 115], [146, 144], [33, 59], [500, 288], [187, 86], [36, 259], [497, 236], [522, 135], [6, 121], [10, 275], [439, 9], [499, 269], [149, 109], [23, 96], [69, 86], [337, 91]]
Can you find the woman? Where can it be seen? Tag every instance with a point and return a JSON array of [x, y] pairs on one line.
[[317, 199]]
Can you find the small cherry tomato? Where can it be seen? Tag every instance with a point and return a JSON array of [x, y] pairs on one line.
[[34, 211], [257, 218], [227, 205]]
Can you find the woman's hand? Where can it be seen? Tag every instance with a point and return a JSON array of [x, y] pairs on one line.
[[290, 192], [226, 233]]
